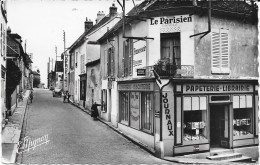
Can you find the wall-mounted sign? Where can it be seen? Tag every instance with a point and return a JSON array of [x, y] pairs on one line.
[[186, 71], [136, 87], [139, 56], [141, 72], [66, 66], [170, 20], [217, 88], [111, 78]]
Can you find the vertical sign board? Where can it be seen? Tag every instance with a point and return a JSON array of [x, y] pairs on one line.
[[139, 56], [167, 114], [66, 67]]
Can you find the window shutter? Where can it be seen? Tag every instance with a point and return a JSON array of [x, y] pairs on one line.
[[112, 61], [130, 64], [215, 47], [224, 51]]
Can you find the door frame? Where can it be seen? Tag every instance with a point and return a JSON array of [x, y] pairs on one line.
[[230, 121]]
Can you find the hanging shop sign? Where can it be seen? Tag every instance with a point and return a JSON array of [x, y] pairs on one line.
[[139, 57], [136, 87], [217, 88]]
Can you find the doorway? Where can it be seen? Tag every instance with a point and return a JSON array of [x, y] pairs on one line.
[[219, 125]]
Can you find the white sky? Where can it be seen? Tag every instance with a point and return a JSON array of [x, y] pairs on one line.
[[41, 24]]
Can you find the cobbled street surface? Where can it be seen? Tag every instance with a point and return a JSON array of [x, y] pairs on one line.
[[74, 137]]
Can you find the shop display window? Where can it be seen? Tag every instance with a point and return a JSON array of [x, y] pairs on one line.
[[195, 119], [124, 107], [136, 110], [147, 111], [243, 115]]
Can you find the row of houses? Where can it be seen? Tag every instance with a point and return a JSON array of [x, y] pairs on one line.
[[181, 77], [16, 73]]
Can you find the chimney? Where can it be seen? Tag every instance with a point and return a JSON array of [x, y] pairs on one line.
[[100, 15], [88, 24], [112, 10]]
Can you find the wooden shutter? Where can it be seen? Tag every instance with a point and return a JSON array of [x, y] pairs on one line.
[[126, 57], [130, 62], [220, 51], [112, 61], [215, 53], [224, 50]]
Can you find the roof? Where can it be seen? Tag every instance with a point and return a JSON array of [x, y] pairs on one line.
[[93, 63], [134, 11], [59, 66], [80, 40], [14, 47], [238, 9]]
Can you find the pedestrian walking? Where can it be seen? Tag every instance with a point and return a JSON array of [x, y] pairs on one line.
[[94, 110], [31, 95]]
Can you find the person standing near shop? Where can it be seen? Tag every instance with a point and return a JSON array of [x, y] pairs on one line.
[[94, 110]]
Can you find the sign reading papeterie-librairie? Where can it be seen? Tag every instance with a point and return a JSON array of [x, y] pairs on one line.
[[217, 88]]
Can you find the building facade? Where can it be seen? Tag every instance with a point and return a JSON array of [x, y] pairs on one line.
[[3, 41], [86, 51], [188, 83]]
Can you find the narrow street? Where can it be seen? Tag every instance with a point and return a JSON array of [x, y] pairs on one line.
[[74, 137]]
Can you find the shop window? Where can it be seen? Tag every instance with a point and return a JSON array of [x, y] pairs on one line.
[[124, 107], [170, 48], [146, 102], [194, 119], [220, 51], [243, 115], [136, 110]]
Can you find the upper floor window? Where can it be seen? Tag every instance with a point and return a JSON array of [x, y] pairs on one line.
[[220, 51], [110, 61], [128, 57], [72, 60], [82, 62], [76, 60], [170, 48]]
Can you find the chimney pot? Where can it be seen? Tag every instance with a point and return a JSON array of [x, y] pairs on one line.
[[112, 10], [88, 24], [100, 15]]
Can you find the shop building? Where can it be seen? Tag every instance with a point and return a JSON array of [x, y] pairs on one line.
[[188, 83]]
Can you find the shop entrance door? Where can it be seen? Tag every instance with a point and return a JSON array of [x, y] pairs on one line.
[[219, 126]]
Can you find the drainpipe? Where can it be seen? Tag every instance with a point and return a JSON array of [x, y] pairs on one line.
[[209, 23]]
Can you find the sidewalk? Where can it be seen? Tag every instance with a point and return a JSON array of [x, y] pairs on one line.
[[12, 131]]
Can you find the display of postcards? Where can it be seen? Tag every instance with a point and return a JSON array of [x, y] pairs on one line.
[[202, 124], [243, 121], [248, 121], [238, 122], [197, 125], [234, 122]]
